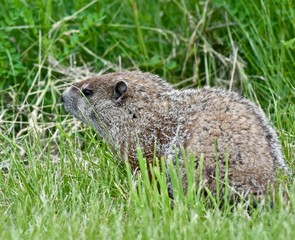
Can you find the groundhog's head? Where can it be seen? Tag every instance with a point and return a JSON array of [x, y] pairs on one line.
[[112, 98]]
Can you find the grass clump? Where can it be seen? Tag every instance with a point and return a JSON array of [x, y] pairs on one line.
[[59, 180]]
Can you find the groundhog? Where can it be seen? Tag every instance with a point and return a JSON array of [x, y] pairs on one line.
[[131, 107]]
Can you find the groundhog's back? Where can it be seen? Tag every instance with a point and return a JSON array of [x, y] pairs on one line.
[[220, 121]]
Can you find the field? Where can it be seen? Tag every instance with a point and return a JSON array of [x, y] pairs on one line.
[[59, 180]]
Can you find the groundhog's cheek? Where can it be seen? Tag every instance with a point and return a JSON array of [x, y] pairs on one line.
[[71, 107], [80, 106]]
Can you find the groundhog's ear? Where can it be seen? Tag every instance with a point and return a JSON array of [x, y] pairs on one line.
[[120, 89]]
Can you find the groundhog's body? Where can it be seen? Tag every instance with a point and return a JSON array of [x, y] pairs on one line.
[[129, 106]]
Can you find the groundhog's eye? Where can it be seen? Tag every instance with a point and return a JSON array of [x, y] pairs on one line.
[[86, 92]]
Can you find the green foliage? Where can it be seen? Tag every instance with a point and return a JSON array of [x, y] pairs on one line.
[[87, 195], [60, 179]]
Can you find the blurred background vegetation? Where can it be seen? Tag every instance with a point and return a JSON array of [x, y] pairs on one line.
[[247, 46]]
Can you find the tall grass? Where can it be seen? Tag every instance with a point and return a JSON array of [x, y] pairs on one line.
[[59, 180]]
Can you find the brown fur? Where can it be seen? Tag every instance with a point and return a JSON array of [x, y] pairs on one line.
[[149, 110]]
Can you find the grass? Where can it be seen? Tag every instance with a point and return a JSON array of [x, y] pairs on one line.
[[59, 180]]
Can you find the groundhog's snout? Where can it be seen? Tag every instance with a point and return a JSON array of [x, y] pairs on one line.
[[64, 95], [65, 98]]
